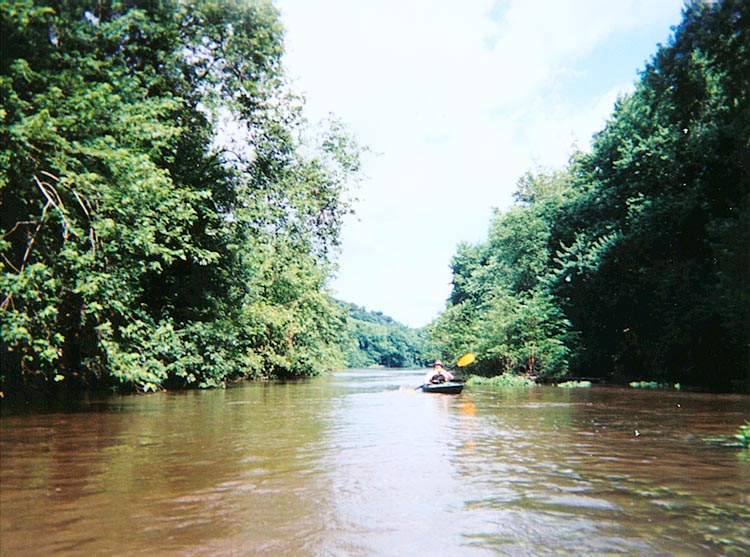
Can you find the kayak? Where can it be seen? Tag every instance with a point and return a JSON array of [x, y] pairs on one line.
[[445, 388]]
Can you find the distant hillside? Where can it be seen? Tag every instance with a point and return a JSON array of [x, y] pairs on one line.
[[373, 338]]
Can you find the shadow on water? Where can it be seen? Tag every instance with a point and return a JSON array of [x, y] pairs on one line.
[[359, 463]]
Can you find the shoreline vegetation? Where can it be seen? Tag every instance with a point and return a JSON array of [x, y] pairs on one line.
[[142, 253], [630, 263]]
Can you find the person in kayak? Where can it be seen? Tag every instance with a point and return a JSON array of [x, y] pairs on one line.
[[438, 374]]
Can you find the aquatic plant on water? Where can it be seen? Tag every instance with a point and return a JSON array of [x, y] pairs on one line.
[[653, 385], [743, 435], [574, 384], [505, 380]]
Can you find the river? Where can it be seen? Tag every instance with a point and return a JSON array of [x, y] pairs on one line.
[[359, 463]]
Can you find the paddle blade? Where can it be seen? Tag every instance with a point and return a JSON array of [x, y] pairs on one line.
[[466, 359]]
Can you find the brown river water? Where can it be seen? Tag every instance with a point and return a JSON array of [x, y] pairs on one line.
[[359, 464]]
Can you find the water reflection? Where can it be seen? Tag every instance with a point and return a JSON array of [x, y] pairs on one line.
[[359, 464]]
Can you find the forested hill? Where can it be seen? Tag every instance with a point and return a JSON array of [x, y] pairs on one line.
[[633, 262], [376, 339]]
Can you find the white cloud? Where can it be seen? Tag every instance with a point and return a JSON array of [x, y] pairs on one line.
[[456, 100]]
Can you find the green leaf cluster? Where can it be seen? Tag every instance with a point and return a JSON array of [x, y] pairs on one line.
[[635, 256], [168, 217]]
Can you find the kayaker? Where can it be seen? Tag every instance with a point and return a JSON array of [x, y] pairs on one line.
[[438, 374]]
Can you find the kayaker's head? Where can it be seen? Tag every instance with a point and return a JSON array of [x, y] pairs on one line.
[[437, 364]]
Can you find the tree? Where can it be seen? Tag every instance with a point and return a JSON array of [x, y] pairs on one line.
[[500, 306], [659, 259], [633, 261], [137, 248]]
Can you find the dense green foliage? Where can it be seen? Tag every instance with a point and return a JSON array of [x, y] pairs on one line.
[[634, 261], [376, 339], [501, 306], [167, 218]]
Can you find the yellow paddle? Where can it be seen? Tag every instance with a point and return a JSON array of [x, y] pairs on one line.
[[466, 359], [463, 361]]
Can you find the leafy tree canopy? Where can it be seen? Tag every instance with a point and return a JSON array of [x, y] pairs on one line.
[[168, 216], [633, 261]]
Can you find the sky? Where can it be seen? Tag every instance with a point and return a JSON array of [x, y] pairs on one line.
[[455, 101]]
